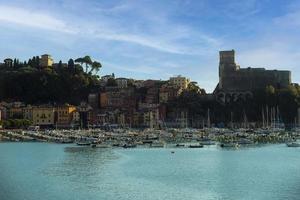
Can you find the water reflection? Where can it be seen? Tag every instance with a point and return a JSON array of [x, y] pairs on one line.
[[82, 165]]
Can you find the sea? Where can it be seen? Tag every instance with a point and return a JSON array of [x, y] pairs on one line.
[[44, 171]]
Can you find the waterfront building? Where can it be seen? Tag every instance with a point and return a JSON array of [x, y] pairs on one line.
[[15, 110], [137, 119], [75, 117], [84, 111], [27, 112], [151, 118], [43, 116], [180, 81], [46, 61], [64, 115]]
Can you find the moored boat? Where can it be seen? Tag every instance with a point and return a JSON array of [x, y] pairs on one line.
[[83, 143], [195, 146], [293, 144], [229, 145]]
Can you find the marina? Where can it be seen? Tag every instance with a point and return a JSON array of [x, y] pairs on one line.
[[151, 138]]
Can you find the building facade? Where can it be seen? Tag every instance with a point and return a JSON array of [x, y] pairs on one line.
[[46, 61], [64, 115], [236, 82], [180, 82], [43, 116]]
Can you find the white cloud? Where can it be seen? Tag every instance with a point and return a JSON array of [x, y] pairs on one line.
[[165, 37], [33, 19]]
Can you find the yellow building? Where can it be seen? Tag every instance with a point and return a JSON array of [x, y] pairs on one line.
[[180, 81], [43, 115], [46, 61], [64, 115]]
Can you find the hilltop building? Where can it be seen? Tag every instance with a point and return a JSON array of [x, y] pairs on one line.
[[180, 82], [46, 61], [235, 81]]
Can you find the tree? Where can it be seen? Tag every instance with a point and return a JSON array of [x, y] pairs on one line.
[[89, 64], [95, 66], [71, 65], [60, 64], [193, 87]]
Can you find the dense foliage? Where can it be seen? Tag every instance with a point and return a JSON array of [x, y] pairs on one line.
[[62, 83], [16, 123]]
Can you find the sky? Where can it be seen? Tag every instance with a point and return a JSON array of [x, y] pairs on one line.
[[155, 39]]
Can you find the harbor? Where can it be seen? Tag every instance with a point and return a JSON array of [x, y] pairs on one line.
[[151, 138]]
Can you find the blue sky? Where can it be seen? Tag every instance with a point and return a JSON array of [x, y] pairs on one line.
[[155, 39]]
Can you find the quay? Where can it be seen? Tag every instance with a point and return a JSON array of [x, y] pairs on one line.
[[130, 138]]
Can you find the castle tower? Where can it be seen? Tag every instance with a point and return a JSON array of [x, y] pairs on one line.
[[227, 65]]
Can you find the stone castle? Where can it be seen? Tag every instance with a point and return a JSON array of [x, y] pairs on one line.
[[236, 82]]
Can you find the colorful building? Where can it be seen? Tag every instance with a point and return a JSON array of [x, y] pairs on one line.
[[64, 115], [43, 116]]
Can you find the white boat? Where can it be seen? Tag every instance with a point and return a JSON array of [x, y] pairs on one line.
[[293, 144]]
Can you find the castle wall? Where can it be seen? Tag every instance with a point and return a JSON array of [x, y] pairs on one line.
[[232, 78]]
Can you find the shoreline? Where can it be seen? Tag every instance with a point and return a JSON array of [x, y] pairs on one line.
[[130, 138]]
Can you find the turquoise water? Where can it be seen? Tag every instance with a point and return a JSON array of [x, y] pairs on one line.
[[34, 171]]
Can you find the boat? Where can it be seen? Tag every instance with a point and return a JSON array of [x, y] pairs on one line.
[[179, 145], [229, 145], [207, 142], [293, 144], [195, 146], [129, 146], [83, 143]]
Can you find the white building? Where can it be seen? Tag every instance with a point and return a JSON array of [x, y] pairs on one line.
[[122, 82], [180, 81]]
